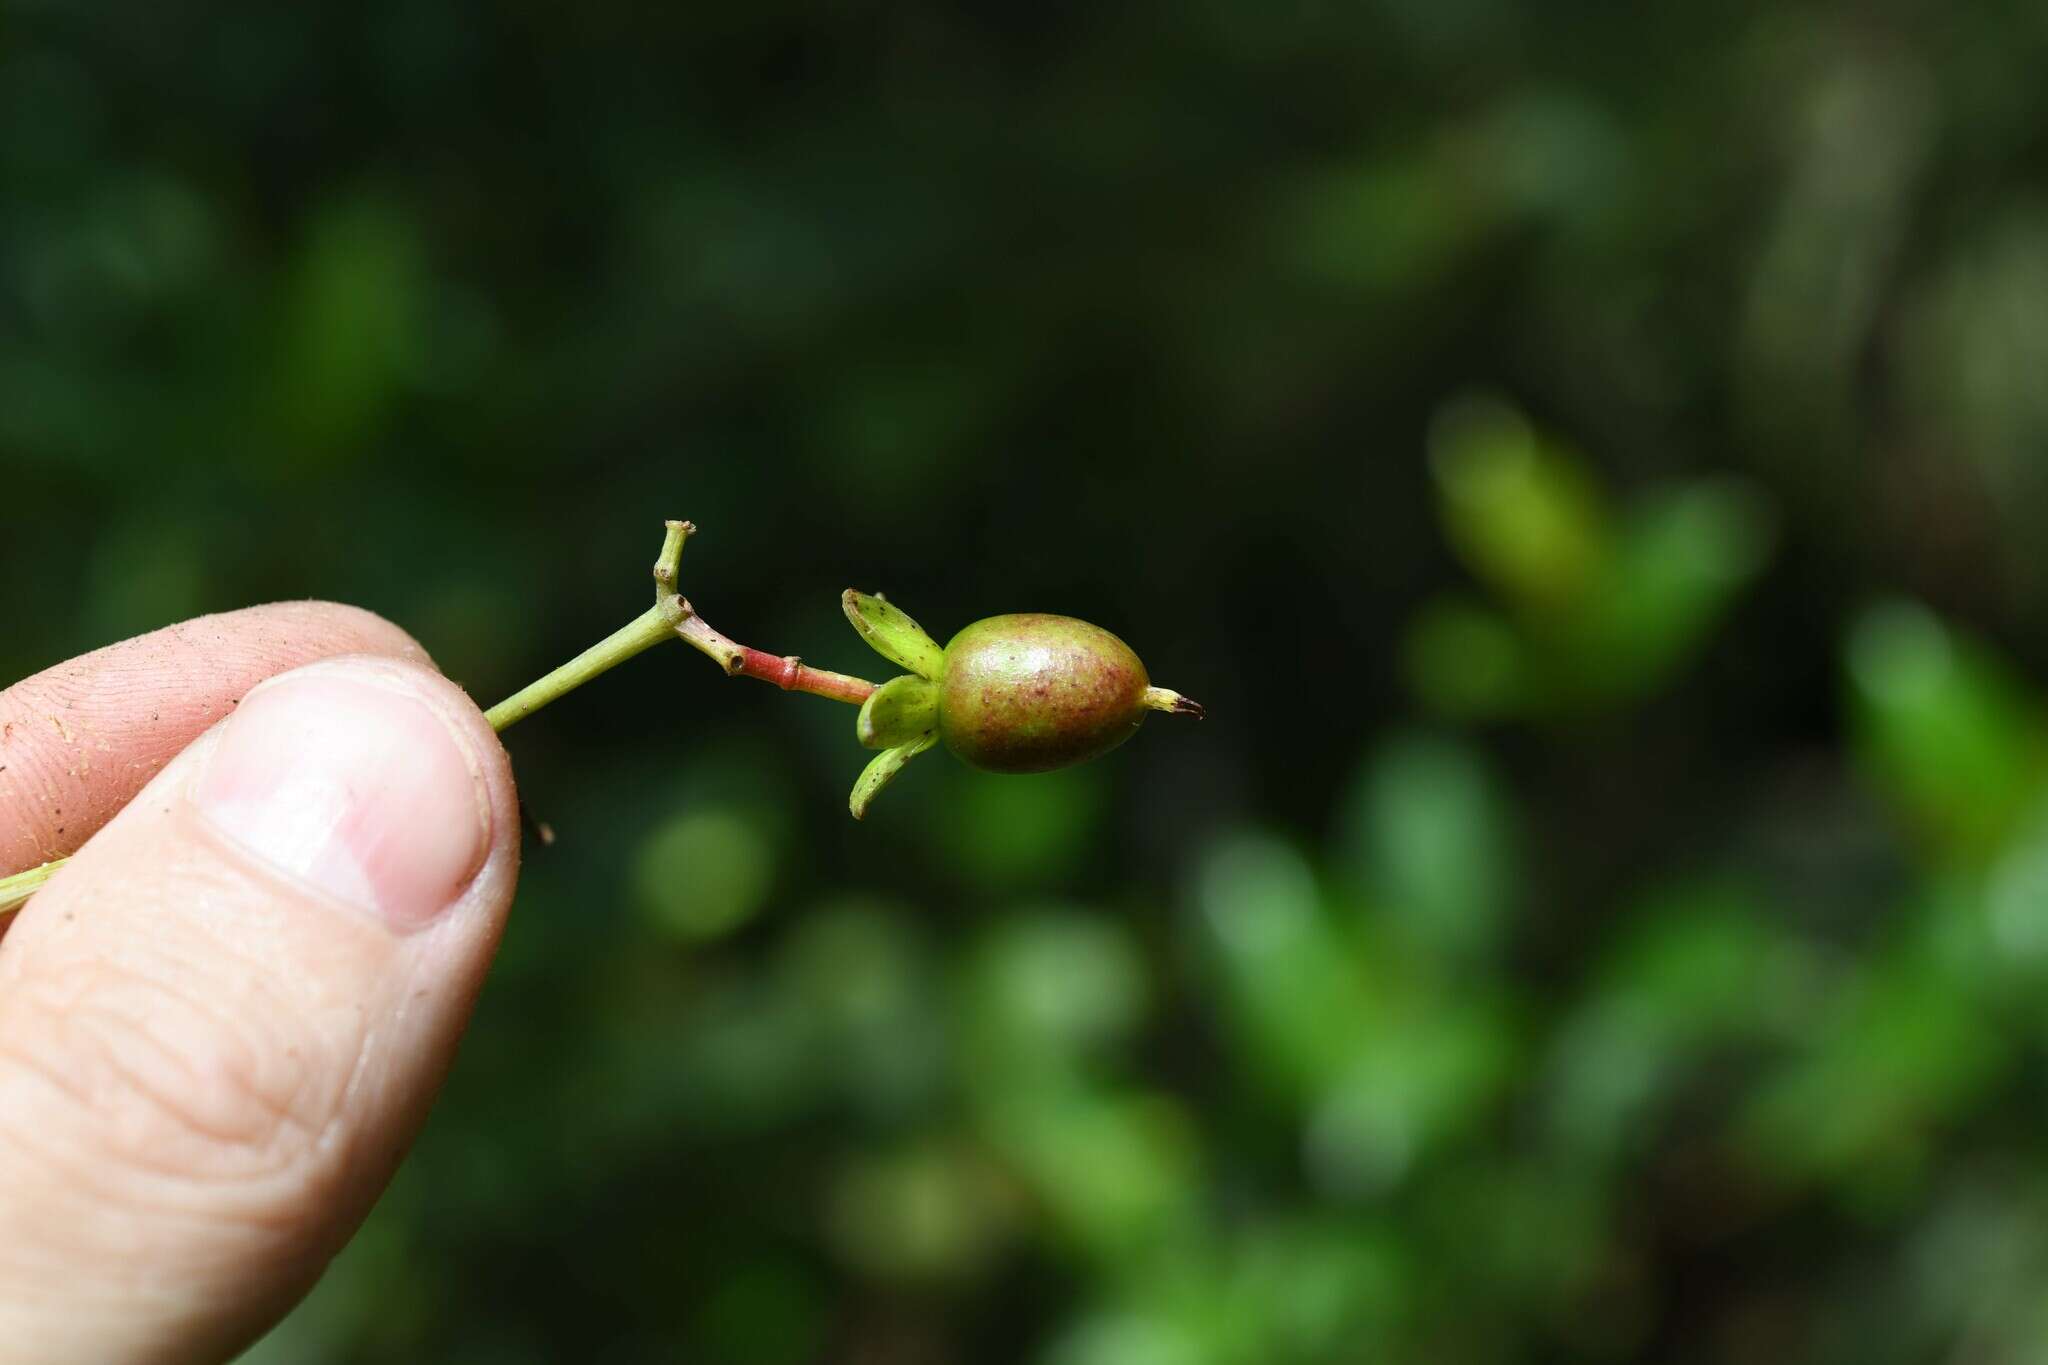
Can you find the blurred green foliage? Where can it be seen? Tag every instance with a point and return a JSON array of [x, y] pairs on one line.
[[1590, 462]]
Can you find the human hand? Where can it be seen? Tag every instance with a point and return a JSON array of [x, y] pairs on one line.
[[222, 1023]]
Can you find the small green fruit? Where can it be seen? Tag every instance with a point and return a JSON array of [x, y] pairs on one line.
[[1023, 693], [1030, 692]]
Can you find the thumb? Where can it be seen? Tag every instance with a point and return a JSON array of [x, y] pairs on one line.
[[223, 1022]]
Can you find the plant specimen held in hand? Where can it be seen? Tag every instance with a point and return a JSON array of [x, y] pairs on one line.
[[1022, 693]]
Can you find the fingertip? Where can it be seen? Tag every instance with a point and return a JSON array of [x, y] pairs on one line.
[[80, 739], [370, 780], [364, 631]]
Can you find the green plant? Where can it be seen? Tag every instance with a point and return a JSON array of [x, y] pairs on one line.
[[1023, 693], [1026, 693]]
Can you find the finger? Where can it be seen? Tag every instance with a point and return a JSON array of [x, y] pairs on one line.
[[77, 741], [222, 1023]]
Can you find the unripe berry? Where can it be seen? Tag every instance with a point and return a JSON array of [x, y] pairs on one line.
[[1023, 693], [1029, 692]]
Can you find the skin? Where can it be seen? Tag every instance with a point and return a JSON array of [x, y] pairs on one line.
[[78, 740], [1030, 692], [210, 1064]]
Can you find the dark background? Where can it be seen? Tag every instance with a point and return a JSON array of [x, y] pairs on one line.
[[1589, 459]]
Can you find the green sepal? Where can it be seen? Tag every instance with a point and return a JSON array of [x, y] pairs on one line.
[[893, 635], [897, 712], [882, 768]]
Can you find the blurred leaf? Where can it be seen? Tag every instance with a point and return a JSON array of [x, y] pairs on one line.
[[1115, 1175], [1524, 517], [1944, 730], [2016, 899], [1319, 1291], [703, 872], [1699, 966], [1126, 1339], [1520, 1232], [1681, 558], [1429, 834], [861, 976], [1291, 988], [1046, 990], [929, 1212], [1902, 1054], [1422, 1075], [1466, 662]]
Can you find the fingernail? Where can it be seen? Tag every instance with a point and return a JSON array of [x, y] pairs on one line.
[[354, 785]]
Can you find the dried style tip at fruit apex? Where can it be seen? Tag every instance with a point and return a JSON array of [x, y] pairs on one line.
[[1173, 703], [1023, 693]]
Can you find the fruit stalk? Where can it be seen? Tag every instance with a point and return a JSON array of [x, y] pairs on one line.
[[786, 671]]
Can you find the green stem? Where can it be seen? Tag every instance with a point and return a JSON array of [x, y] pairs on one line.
[[643, 632], [670, 617], [18, 888]]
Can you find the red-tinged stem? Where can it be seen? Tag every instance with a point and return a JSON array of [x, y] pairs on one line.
[[786, 671], [792, 674]]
